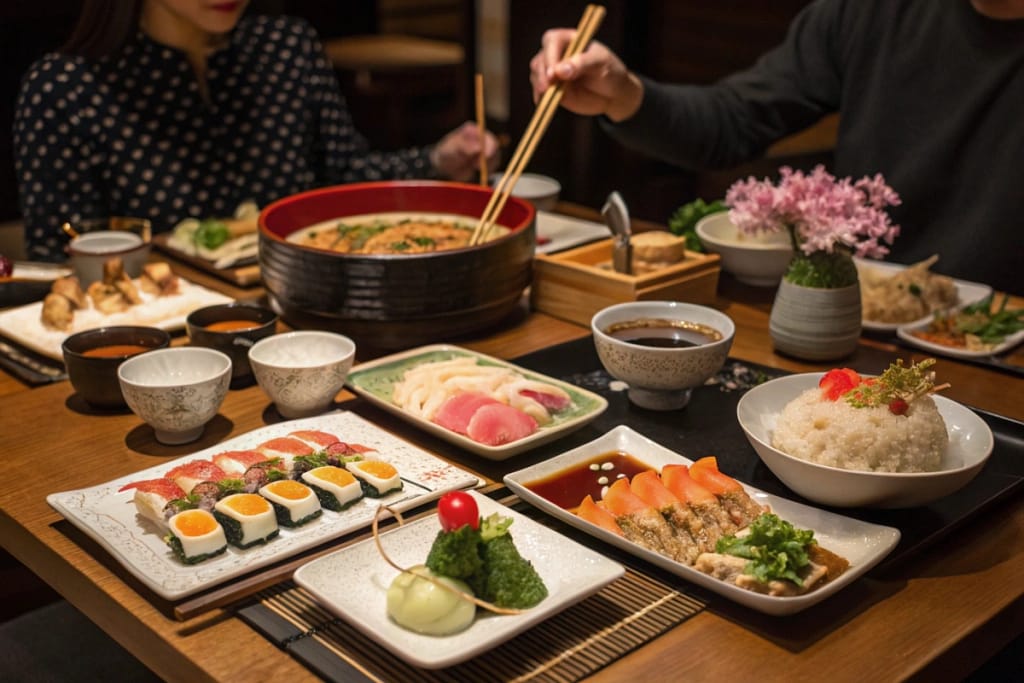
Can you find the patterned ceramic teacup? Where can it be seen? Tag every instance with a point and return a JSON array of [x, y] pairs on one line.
[[302, 371]]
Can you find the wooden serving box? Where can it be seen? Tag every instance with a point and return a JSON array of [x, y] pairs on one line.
[[577, 283]]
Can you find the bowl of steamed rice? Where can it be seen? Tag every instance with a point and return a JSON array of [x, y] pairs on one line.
[[844, 440]]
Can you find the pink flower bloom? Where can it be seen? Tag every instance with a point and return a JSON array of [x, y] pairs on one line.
[[819, 211]]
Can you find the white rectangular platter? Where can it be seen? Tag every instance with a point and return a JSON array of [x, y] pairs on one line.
[[376, 379], [556, 232], [24, 324], [863, 544], [110, 517], [353, 584]]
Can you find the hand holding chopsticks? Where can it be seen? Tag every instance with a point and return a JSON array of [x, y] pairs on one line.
[[589, 23]]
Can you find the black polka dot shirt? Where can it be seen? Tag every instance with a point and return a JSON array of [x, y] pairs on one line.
[[131, 135]]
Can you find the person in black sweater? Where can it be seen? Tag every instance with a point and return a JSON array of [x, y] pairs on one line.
[[930, 94], [170, 109]]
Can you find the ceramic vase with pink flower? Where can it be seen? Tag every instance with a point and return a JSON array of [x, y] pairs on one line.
[[816, 314]]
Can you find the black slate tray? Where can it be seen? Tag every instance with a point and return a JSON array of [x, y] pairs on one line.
[[708, 426]]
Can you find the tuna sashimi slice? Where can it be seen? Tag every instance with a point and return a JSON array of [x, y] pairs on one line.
[[495, 424], [456, 413], [553, 402]]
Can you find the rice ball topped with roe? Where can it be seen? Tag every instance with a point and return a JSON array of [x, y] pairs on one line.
[[887, 423]]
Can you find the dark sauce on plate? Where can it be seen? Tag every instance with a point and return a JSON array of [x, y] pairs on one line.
[[570, 486]]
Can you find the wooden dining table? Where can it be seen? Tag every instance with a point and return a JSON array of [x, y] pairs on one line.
[[936, 616]]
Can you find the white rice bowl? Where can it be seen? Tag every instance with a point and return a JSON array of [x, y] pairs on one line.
[[836, 434]]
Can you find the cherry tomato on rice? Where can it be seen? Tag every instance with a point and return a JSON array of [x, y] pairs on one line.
[[456, 509]]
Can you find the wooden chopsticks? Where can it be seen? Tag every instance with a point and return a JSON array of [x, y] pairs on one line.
[[481, 126], [589, 23]]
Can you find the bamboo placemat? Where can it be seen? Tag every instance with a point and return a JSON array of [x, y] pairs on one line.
[[569, 646]]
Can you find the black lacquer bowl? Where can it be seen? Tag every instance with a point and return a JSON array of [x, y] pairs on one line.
[[395, 301]]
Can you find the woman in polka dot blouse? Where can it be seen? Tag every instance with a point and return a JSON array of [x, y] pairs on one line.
[[167, 109]]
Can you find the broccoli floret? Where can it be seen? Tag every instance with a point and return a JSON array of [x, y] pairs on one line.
[[507, 579], [455, 554]]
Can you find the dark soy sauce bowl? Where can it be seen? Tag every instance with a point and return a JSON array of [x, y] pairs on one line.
[[232, 329], [94, 377]]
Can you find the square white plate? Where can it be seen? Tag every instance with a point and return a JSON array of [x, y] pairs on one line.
[[863, 544], [967, 293], [109, 515], [24, 324], [353, 583], [375, 380], [556, 232]]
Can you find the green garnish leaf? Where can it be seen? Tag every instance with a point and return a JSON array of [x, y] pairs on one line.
[[906, 383], [684, 221], [776, 549]]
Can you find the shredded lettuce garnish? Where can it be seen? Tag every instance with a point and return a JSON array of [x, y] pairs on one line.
[[776, 549]]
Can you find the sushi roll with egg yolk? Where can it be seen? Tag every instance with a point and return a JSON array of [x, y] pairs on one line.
[[377, 477], [294, 502], [247, 519], [194, 536], [336, 488]]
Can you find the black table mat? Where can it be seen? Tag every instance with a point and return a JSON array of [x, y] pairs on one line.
[[708, 426]]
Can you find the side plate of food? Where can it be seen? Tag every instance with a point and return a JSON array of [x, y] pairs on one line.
[[488, 406], [894, 294], [852, 546], [353, 583], [977, 330], [133, 518]]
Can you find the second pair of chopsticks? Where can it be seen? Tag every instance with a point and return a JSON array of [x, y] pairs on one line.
[[589, 23]]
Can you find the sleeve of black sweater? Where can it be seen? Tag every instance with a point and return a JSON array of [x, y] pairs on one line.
[[735, 119]]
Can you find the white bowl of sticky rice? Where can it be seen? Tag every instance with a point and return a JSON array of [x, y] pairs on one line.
[[864, 445]]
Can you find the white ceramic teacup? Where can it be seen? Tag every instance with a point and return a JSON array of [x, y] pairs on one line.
[[90, 251], [302, 371]]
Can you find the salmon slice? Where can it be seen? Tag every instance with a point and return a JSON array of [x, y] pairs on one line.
[[235, 463], [650, 489], [640, 522], [318, 440], [715, 522], [193, 472], [286, 448], [741, 507], [598, 516]]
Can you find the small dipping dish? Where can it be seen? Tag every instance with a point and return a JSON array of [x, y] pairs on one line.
[[176, 390], [233, 329], [92, 358], [662, 349], [302, 371]]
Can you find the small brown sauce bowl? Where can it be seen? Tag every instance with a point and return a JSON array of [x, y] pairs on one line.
[[93, 356], [232, 329]]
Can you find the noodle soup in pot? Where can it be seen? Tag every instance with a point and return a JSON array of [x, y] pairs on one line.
[[391, 233], [411, 292]]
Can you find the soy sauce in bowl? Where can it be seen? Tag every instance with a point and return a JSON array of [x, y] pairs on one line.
[[663, 333]]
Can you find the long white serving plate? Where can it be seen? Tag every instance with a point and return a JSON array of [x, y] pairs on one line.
[[24, 324], [863, 544], [109, 516]]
